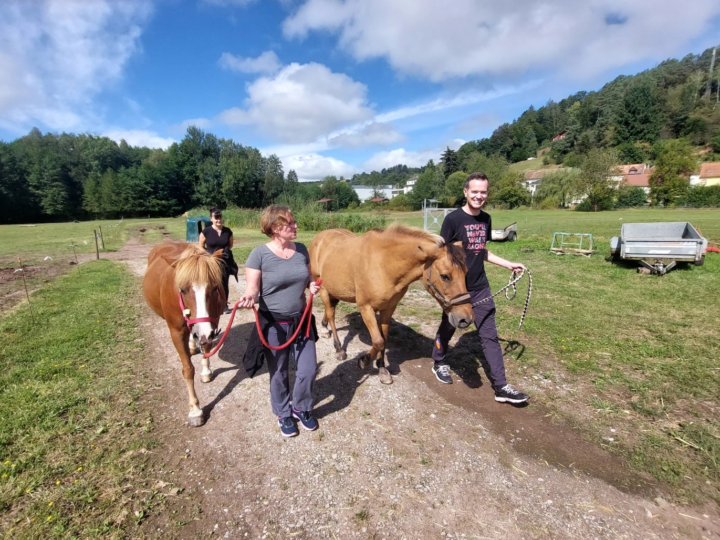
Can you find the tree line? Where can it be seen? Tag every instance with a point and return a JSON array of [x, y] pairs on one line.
[[56, 177]]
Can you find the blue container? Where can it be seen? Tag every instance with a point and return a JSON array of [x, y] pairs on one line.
[[194, 227]]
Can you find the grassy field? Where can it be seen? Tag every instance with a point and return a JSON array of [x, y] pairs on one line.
[[73, 442], [631, 360]]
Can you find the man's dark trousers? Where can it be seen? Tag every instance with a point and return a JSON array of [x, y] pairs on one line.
[[487, 330]]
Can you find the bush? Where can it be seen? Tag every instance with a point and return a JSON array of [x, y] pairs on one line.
[[587, 206], [703, 197], [548, 203], [629, 196]]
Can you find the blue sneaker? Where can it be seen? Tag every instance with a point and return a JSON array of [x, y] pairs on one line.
[[306, 419], [287, 427]]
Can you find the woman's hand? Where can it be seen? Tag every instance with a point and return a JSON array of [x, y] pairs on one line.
[[246, 302], [314, 288]]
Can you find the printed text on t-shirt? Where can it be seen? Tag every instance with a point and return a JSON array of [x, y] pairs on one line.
[[477, 236]]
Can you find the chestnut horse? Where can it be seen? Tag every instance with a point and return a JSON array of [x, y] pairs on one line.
[[185, 274], [374, 271]]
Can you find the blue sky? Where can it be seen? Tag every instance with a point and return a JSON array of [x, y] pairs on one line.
[[330, 86]]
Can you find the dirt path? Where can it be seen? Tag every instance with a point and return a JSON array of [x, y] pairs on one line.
[[414, 460]]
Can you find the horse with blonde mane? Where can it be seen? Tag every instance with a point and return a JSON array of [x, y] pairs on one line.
[[375, 270], [183, 285]]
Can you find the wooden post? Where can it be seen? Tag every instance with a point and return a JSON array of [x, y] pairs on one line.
[[97, 250], [72, 245], [102, 239], [27, 294]]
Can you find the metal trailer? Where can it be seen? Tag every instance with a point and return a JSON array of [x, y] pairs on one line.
[[658, 247], [509, 233]]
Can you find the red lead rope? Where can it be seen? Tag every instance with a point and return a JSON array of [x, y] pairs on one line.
[[306, 314]]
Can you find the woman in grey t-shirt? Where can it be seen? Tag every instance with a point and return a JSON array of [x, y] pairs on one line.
[[277, 274]]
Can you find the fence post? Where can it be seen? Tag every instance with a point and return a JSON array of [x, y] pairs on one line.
[[102, 238], [97, 250]]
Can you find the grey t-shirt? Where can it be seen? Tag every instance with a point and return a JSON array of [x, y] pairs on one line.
[[283, 281]]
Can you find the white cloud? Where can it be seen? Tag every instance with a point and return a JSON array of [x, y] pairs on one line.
[[439, 40], [310, 167], [139, 137], [372, 134], [57, 55], [268, 62], [301, 103], [383, 160]]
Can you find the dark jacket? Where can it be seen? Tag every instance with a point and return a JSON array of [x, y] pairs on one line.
[[254, 357]]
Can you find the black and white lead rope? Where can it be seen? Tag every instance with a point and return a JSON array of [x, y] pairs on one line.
[[514, 278]]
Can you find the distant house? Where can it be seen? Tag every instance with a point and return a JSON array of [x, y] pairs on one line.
[[709, 174], [407, 188], [534, 177], [636, 174], [559, 136]]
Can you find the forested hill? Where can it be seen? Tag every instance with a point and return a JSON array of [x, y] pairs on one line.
[[678, 98]]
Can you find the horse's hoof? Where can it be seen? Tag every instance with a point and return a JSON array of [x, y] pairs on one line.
[[196, 421], [194, 351], [364, 361], [327, 335], [342, 355], [206, 378], [385, 377]]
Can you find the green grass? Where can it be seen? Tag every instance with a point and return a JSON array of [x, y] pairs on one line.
[[72, 438], [34, 243]]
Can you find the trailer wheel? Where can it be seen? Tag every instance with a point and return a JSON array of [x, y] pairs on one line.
[[700, 262], [511, 237]]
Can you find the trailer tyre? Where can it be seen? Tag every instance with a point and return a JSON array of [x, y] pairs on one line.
[[700, 262], [511, 237]]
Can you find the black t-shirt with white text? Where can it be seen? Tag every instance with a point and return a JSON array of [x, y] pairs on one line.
[[474, 232]]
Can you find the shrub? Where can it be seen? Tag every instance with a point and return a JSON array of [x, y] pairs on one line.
[[630, 196], [703, 197]]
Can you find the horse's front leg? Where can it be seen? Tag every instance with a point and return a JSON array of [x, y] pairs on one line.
[[206, 372], [378, 344], [180, 340], [329, 317], [385, 318]]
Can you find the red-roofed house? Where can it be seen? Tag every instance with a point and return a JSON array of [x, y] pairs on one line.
[[709, 174], [636, 174]]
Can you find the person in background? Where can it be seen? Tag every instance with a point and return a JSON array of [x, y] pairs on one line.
[[277, 274], [215, 237], [472, 226]]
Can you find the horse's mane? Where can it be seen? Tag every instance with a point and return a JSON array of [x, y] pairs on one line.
[[414, 232], [454, 253], [196, 266]]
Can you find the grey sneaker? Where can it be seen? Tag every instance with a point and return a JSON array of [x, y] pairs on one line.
[[507, 394], [442, 372]]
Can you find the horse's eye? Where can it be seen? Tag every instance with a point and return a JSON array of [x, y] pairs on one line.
[[444, 277], [183, 291]]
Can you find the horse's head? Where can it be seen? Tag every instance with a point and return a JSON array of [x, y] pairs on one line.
[[198, 277], [444, 279]]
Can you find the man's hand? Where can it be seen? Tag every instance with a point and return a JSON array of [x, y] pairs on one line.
[[516, 267]]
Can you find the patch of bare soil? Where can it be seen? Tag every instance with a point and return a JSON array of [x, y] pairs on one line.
[[414, 460]]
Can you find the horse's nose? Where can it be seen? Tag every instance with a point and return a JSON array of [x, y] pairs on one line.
[[458, 322]]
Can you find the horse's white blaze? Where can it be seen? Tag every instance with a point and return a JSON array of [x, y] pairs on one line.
[[203, 329]]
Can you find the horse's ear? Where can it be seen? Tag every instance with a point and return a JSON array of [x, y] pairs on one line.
[[458, 244], [171, 262], [218, 253]]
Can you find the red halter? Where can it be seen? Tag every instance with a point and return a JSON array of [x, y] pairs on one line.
[[186, 313]]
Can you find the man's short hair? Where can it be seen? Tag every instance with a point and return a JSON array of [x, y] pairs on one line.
[[475, 176]]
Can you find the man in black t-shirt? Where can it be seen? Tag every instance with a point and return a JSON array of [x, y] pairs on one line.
[[472, 226]]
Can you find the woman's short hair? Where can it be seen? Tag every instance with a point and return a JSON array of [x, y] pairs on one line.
[[214, 211], [274, 216], [475, 176]]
